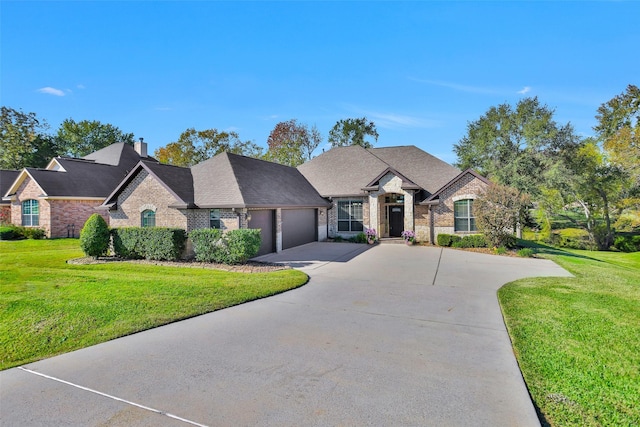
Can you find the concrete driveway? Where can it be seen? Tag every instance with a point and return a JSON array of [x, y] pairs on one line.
[[384, 335]]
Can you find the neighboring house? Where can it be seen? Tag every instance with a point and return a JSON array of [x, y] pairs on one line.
[[6, 179], [62, 196], [228, 192], [394, 189]]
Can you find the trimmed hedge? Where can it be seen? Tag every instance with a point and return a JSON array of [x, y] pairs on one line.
[[233, 247], [155, 243], [468, 241], [13, 232], [207, 244]]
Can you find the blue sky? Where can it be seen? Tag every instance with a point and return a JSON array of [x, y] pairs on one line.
[[420, 70]]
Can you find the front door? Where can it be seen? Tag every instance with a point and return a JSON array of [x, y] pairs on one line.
[[396, 220]]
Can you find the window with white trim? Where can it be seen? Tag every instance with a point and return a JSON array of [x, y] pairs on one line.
[[350, 215], [148, 218], [30, 213], [214, 219], [465, 221]]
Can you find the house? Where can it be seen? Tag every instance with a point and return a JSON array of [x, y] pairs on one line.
[[62, 196], [228, 192], [339, 193], [394, 189]]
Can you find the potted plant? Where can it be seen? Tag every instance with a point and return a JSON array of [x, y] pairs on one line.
[[372, 235], [409, 237]]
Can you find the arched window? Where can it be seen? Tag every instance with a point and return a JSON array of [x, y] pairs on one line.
[[30, 213], [465, 221], [148, 218]]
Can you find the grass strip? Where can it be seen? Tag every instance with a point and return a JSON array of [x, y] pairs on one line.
[[48, 307], [577, 340]]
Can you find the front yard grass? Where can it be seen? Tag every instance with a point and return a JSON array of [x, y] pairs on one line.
[[48, 307], [577, 340]]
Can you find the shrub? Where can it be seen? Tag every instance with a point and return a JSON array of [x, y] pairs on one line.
[[9, 233], [241, 245], [207, 244], [627, 243], [360, 238], [500, 250], [156, 243], [128, 242], [33, 233], [164, 244], [94, 236], [444, 239], [526, 252], [476, 241]]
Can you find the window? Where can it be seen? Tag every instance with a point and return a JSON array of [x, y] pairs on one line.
[[148, 218], [463, 214], [350, 215], [30, 213], [214, 219]]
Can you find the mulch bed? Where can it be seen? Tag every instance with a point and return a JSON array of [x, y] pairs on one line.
[[249, 267]]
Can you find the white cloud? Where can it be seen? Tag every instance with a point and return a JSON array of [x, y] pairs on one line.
[[393, 120], [81, 86], [524, 90], [455, 86], [51, 91]]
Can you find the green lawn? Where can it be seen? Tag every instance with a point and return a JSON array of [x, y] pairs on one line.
[[578, 339], [48, 307]]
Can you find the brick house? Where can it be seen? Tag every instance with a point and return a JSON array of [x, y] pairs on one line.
[[227, 192], [394, 189], [62, 196]]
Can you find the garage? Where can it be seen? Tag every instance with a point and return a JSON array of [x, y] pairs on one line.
[[265, 221], [299, 226]]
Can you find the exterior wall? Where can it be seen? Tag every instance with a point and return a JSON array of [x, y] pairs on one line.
[[199, 218], [68, 216], [422, 225], [145, 192], [390, 184], [5, 214], [30, 190], [332, 216], [322, 225], [467, 187]]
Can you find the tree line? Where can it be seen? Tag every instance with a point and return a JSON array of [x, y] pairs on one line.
[[26, 141], [522, 147]]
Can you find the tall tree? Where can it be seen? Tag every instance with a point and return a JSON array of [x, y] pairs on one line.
[[619, 129], [353, 132], [23, 141], [78, 139], [292, 143], [513, 146], [499, 211], [195, 146]]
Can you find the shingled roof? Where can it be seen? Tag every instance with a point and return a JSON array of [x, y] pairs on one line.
[[175, 179], [7, 177], [346, 171], [94, 176], [231, 180]]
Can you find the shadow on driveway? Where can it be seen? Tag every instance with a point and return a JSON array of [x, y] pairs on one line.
[[315, 254]]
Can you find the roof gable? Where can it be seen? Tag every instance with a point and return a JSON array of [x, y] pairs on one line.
[[435, 196], [176, 180]]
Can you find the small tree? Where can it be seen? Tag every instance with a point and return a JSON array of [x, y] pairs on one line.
[[94, 237], [498, 212]]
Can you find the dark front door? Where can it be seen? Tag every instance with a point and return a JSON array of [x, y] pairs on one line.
[[396, 220]]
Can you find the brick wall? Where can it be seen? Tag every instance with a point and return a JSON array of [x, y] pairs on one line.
[[467, 187], [30, 190], [199, 218], [422, 225], [145, 192], [68, 216]]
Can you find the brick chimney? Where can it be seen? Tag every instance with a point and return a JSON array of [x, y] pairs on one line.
[[141, 148]]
